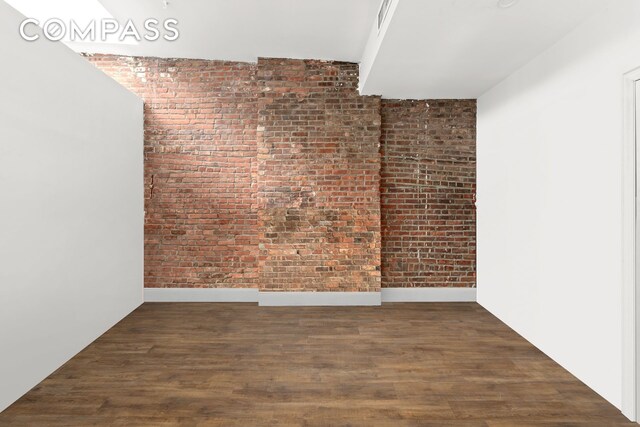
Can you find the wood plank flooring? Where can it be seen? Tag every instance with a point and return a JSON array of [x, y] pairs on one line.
[[241, 365]]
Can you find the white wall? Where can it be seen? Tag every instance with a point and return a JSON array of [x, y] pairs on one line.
[[549, 197], [71, 206]]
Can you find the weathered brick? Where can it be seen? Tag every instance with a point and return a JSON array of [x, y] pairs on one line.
[[200, 160], [271, 175], [318, 178], [427, 193]]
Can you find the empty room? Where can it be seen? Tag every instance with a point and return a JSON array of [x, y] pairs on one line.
[[319, 213]]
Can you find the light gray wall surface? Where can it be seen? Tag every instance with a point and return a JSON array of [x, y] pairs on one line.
[[549, 145], [71, 206]]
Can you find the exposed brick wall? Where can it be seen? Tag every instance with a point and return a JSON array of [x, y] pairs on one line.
[[427, 193], [271, 175], [318, 178], [200, 145]]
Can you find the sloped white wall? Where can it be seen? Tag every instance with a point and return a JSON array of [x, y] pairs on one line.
[[549, 197], [71, 206]]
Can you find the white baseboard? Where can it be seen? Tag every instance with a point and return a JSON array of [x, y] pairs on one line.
[[318, 298], [428, 295], [200, 295], [309, 298]]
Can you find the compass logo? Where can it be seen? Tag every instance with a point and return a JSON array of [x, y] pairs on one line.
[[55, 29]]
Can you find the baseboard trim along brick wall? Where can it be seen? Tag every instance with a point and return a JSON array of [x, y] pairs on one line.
[[428, 294], [253, 295], [201, 295], [318, 298]]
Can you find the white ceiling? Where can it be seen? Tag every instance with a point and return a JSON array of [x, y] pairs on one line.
[[426, 49], [462, 48], [243, 30]]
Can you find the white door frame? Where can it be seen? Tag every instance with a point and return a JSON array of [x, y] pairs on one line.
[[630, 259]]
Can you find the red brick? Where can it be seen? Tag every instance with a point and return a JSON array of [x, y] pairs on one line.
[[199, 145], [318, 178], [427, 188], [271, 175]]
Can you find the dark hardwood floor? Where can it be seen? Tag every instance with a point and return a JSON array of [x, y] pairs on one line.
[[242, 365]]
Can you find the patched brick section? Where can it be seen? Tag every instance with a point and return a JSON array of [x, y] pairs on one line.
[[427, 193], [200, 160], [318, 178]]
